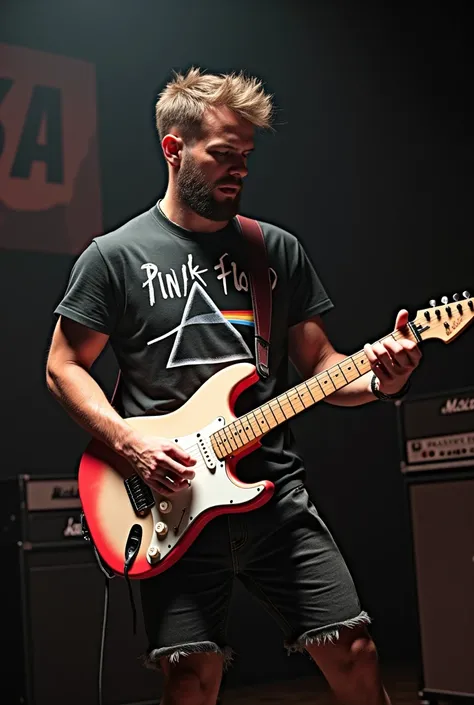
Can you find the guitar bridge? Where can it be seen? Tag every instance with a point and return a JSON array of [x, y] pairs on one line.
[[139, 494]]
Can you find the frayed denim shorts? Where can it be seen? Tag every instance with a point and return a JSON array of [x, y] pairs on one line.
[[283, 553]]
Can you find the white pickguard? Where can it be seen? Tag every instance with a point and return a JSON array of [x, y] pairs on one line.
[[209, 488]]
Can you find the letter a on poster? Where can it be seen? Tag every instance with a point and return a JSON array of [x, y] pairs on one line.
[[49, 174]]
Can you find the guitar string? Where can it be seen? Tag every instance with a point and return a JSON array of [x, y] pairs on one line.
[[287, 404], [396, 335]]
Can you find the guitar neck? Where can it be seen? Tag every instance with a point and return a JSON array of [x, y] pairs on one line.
[[249, 428]]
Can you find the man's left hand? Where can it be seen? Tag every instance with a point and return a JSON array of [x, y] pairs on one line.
[[393, 361]]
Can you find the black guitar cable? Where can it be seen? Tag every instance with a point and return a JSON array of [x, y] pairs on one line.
[[102, 641], [108, 576], [131, 550]]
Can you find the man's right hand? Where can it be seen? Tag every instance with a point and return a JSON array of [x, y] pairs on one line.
[[162, 464]]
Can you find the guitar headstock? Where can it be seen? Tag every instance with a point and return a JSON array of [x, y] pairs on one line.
[[447, 320]]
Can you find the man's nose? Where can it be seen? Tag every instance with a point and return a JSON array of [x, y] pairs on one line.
[[239, 168]]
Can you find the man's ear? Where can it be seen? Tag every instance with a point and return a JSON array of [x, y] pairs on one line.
[[172, 149]]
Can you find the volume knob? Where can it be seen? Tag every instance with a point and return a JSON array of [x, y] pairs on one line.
[[153, 553], [161, 529], [165, 506]]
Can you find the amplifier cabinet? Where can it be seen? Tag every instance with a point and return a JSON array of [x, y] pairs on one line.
[[54, 605], [437, 431], [442, 527]]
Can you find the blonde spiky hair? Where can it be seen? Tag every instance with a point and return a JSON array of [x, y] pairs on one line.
[[184, 100]]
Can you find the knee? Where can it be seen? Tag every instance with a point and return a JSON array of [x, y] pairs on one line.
[[184, 687], [354, 653], [363, 652], [189, 686]]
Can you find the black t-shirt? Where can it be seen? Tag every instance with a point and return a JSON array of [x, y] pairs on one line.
[[177, 307]]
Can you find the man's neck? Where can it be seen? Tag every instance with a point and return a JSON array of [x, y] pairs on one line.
[[183, 216]]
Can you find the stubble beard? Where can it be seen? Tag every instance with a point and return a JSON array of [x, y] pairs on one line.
[[197, 194]]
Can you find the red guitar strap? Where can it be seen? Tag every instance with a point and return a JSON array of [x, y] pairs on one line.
[[261, 290]]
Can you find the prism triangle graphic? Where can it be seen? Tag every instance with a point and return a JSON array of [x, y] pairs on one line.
[[204, 336]]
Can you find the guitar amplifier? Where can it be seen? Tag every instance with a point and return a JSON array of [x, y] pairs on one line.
[[53, 604], [38, 510], [437, 431], [437, 462]]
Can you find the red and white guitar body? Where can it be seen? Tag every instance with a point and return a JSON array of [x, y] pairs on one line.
[[114, 499], [172, 523]]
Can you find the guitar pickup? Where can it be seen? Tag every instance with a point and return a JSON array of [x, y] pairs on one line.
[[206, 452], [139, 494]]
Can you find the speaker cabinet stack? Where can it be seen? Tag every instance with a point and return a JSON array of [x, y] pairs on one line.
[[437, 451], [53, 606]]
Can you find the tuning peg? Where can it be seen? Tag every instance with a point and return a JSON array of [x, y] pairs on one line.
[[444, 300], [432, 302], [455, 297], [466, 294]]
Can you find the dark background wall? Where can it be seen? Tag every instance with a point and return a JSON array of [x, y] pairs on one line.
[[371, 166]]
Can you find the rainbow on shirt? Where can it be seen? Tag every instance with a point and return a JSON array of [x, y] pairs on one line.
[[243, 318]]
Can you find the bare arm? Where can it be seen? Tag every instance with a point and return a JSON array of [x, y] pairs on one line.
[[311, 352], [392, 361], [74, 349]]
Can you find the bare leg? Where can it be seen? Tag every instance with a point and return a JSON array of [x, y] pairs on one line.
[[193, 680], [350, 666]]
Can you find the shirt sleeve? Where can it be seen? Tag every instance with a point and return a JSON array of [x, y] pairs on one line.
[[308, 295], [90, 298]]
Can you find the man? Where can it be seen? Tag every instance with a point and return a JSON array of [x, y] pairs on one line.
[[170, 291]]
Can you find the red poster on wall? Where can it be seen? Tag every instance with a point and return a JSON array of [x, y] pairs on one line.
[[49, 173]]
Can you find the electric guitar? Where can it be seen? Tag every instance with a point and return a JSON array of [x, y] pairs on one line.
[[139, 533]]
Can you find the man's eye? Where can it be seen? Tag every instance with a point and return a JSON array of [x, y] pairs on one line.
[[220, 154]]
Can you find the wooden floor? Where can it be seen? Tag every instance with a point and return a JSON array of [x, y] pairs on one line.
[[400, 682]]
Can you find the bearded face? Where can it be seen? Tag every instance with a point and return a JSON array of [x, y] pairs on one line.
[[217, 200]]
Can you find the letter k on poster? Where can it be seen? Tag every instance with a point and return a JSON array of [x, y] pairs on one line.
[[49, 174]]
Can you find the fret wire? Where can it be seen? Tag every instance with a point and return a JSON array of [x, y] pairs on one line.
[[262, 413], [258, 425], [337, 372], [319, 385], [282, 411], [308, 393], [225, 442], [230, 439], [252, 421], [316, 384], [276, 420], [299, 396], [321, 374], [247, 427], [291, 404], [277, 406], [238, 423], [237, 434]]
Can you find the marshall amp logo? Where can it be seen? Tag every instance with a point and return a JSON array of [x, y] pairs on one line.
[[54, 494], [438, 431], [49, 176], [68, 492], [457, 405]]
